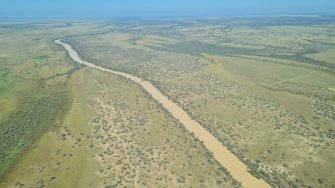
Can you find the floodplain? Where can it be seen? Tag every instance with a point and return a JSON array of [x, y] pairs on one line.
[[265, 88]]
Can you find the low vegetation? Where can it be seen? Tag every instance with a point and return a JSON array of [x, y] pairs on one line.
[[258, 88], [264, 87]]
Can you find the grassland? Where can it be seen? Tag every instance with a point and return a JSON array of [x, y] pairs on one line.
[[265, 90], [265, 87], [30, 102], [63, 125], [34, 89], [116, 144]]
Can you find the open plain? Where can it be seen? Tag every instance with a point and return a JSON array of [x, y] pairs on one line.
[[262, 88]]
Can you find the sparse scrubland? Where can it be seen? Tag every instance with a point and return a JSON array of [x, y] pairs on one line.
[[264, 90], [264, 87], [93, 129]]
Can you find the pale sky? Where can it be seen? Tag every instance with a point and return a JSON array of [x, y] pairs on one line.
[[124, 8]]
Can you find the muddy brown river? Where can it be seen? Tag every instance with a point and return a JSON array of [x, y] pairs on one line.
[[227, 159]]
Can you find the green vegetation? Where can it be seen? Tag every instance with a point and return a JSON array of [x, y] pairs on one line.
[[34, 91], [34, 74]]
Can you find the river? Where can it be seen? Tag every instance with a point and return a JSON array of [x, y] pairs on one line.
[[227, 159]]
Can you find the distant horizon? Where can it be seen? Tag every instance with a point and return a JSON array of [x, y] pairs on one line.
[[104, 9], [307, 15]]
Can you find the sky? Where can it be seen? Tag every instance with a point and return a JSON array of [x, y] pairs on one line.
[[159, 8]]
